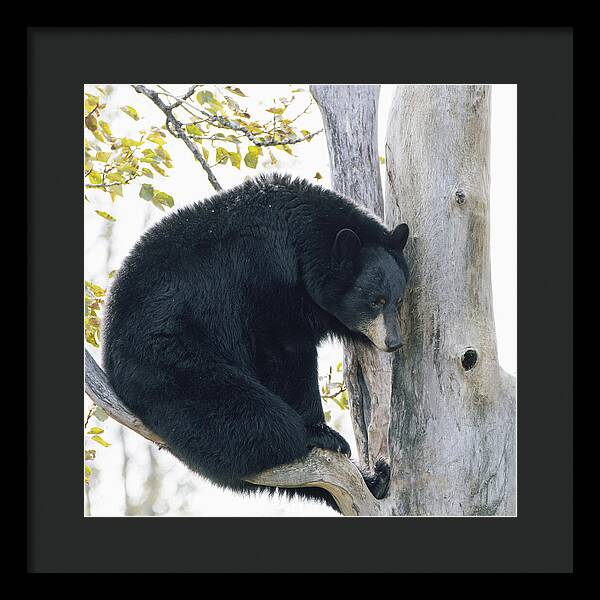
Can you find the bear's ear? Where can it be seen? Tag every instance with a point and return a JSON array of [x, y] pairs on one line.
[[399, 237], [347, 245]]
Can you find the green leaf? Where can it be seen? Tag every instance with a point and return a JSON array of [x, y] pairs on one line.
[[164, 198], [129, 110], [147, 192], [338, 368], [285, 148], [115, 190], [205, 97], [115, 177], [158, 205], [163, 154], [193, 130], [251, 160], [147, 173], [99, 412]]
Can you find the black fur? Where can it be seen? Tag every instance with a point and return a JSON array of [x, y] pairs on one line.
[[214, 319]]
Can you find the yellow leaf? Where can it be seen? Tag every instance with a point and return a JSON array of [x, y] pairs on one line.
[[105, 215], [157, 138], [102, 156], [163, 198], [96, 289], [235, 90], [102, 442], [318, 175], [105, 128], [95, 178], [96, 430], [129, 110], [235, 158], [158, 169]]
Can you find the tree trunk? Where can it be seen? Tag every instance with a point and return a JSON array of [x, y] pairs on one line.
[[452, 430], [350, 122]]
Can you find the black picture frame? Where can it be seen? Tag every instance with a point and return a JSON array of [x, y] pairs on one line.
[[539, 61]]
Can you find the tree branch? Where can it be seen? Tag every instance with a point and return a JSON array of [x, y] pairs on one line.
[[102, 394], [175, 127], [320, 468]]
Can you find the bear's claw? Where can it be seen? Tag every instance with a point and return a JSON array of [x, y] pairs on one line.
[[322, 436]]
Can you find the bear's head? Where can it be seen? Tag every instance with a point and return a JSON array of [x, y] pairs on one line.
[[375, 284]]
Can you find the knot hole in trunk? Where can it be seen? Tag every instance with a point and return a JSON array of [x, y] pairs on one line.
[[469, 359]]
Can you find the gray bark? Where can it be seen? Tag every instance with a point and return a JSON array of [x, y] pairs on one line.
[[452, 429], [350, 122], [453, 423], [102, 394]]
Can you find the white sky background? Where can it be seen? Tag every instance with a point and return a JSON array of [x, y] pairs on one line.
[[184, 493]]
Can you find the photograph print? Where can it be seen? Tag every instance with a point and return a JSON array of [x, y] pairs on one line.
[[300, 300]]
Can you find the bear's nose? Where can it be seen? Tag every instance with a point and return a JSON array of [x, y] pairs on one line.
[[393, 342]]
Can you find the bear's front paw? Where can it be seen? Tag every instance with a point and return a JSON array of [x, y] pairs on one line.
[[322, 436]]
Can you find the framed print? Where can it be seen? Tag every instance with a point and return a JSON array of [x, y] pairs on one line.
[[300, 282]]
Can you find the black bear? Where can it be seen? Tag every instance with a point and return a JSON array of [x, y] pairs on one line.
[[214, 318]]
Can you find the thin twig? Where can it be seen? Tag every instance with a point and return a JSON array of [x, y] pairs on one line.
[[176, 129]]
